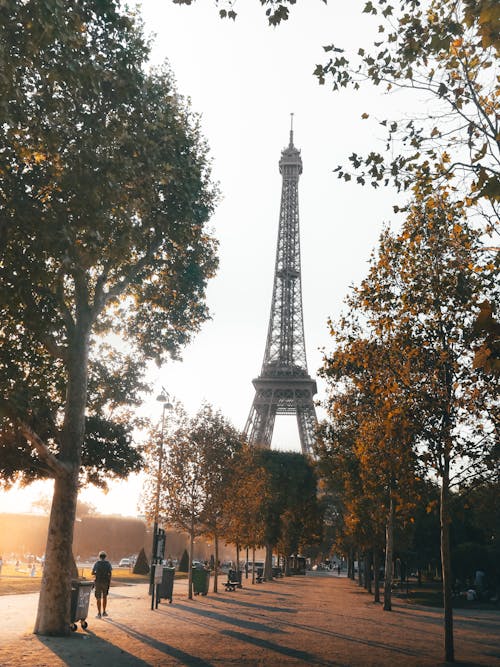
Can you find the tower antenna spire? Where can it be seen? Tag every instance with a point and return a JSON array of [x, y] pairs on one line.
[[291, 129]]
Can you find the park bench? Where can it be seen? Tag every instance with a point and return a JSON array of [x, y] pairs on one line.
[[231, 585]]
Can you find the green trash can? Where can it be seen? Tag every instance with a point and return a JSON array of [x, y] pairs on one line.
[[80, 600], [201, 581], [166, 585]]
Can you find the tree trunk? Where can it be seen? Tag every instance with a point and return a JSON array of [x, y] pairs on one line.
[[253, 565], [268, 563], [360, 575], [449, 651], [53, 615], [368, 572], [190, 569], [376, 575], [350, 565], [389, 549], [216, 564]]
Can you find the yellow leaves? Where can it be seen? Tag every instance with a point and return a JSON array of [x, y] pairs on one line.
[[445, 158], [365, 115]]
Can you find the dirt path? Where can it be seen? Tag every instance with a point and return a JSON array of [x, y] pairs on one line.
[[297, 621]]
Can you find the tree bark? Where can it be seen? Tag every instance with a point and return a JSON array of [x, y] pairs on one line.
[[376, 575], [216, 564], [449, 651], [389, 549], [268, 563], [360, 576], [53, 615], [368, 572], [190, 571]]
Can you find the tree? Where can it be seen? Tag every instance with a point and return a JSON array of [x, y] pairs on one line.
[[290, 507], [141, 565], [242, 513], [444, 50], [103, 203], [436, 261], [182, 495], [219, 444]]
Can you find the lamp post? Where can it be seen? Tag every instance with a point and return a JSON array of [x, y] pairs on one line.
[[163, 398]]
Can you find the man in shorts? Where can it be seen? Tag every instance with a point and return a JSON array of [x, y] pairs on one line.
[[102, 572]]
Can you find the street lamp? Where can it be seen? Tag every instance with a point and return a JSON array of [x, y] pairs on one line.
[[155, 552]]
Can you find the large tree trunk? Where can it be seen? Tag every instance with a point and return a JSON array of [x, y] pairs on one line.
[[389, 549], [360, 574], [449, 651], [53, 615]]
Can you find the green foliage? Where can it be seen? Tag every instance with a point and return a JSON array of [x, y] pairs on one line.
[[291, 512], [141, 564], [447, 50], [275, 10], [105, 192], [184, 562]]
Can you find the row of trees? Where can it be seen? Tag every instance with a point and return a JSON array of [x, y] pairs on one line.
[[406, 400], [213, 484]]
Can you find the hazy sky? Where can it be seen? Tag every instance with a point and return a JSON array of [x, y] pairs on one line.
[[245, 79]]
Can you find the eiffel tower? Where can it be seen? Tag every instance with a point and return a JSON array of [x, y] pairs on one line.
[[284, 387]]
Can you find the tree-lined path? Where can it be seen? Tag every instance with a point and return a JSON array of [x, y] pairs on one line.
[[312, 620]]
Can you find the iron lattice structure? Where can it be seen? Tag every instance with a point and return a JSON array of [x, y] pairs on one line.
[[284, 387]]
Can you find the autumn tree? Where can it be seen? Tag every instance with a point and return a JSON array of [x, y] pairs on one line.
[[219, 443], [242, 516], [104, 197], [181, 496], [290, 509], [437, 261]]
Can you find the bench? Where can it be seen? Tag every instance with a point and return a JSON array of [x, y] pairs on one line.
[[259, 578], [231, 585]]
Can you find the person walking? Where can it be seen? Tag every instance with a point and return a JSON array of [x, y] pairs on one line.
[[102, 572]]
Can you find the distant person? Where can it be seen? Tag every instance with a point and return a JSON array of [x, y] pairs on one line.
[[102, 572], [338, 569]]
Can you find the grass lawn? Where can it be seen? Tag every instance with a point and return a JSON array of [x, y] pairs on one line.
[[14, 582], [431, 595]]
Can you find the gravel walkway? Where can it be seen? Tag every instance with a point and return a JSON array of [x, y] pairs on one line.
[[312, 620]]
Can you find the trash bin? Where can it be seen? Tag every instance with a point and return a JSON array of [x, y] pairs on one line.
[[277, 572], [80, 599], [166, 586], [201, 580], [234, 575]]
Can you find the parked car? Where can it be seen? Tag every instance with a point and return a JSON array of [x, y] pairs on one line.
[[125, 562]]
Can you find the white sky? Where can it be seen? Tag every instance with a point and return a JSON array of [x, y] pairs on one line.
[[245, 78]]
